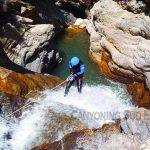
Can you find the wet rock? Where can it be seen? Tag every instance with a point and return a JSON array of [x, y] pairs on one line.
[[139, 93], [10, 103], [8, 136], [21, 84], [1, 108], [145, 145], [116, 36], [16, 88], [59, 125], [137, 123], [85, 139], [108, 137], [130, 132]]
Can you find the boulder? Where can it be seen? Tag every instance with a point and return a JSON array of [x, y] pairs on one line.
[[23, 19], [27, 45], [10, 103], [120, 42], [16, 88], [35, 50], [19, 84], [79, 8], [108, 137], [137, 122], [27, 32], [114, 142], [82, 23], [145, 145], [130, 132], [135, 6]]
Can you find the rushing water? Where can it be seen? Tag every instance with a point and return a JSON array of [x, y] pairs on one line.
[[54, 115]]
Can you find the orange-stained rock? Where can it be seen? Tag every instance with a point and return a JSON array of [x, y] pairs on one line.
[[103, 65], [119, 45], [69, 141], [115, 74], [21, 84], [135, 86], [139, 93], [75, 28], [44, 147]]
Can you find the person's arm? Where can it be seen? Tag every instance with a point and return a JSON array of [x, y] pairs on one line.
[[70, 67], [82, 68]]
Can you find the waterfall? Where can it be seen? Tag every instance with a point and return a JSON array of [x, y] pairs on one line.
[[48, 117]]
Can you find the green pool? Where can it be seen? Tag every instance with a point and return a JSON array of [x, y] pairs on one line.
[[75, 42]]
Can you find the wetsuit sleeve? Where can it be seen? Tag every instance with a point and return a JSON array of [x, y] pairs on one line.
[[82, 68], [70, 67]]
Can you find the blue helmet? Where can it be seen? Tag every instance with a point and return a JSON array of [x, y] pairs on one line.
[[74, 61]]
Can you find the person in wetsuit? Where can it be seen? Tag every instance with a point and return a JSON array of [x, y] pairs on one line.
[[77, 68]]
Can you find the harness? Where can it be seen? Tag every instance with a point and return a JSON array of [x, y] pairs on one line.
[[76, 69]]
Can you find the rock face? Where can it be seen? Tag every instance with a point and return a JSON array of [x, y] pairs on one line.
[[48, 12], [57, 125], [84, 139], [145, 145], [120, 42], [137, 123], [88, 142], [135, 6], [124, 36], [21, 84], [78, 7], [15, 88], [28, 29], [131, 132], [27, 33], [35, 51], [128, 133]]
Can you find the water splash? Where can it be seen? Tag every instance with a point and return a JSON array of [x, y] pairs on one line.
[[30, 129]]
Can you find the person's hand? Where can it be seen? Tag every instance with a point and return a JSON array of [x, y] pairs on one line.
[[75, 75], [70, 78]]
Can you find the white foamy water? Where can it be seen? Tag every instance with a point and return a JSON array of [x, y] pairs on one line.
[[87, 107]]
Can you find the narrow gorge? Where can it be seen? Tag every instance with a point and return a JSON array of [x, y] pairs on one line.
[[37, 40]]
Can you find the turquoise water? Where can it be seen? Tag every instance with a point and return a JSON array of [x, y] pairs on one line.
[[76, 43]]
